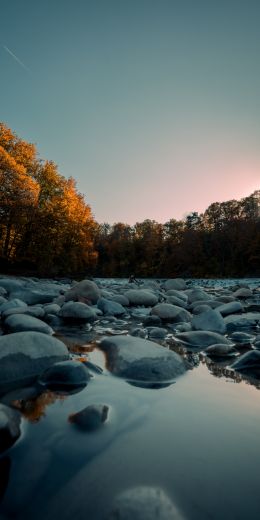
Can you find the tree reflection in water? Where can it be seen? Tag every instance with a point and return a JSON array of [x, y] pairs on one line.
[[34, 409]]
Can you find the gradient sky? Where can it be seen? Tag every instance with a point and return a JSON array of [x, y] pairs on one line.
[[153, 106]]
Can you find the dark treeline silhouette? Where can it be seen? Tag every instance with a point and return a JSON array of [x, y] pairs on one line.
[[47, 228], [224, 241]]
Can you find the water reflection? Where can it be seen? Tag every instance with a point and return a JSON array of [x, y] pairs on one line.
[[5, 466], [221, 369], [35, 409]]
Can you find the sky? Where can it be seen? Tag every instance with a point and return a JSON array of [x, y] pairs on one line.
[[153, 106]]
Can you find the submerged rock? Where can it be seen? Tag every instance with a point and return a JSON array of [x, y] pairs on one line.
[[24, 355], [143, 503], [90, 418], [10, 420], [141, 360]]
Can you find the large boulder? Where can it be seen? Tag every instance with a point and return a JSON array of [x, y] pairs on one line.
[[201, 339], [77, 312], [24, 355], [141, 297], [143, 503], [138, 359], [171, 313], [22, 322], [85, 291], [209, 320]]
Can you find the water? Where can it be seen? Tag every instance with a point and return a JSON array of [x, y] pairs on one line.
[[198, 439]]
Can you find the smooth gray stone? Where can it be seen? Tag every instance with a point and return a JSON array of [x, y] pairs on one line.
[[242, 338], [200, 308], [181, 295], [230, 308], [143, 503], [110, 307], [175, 283], [10, 420], [201, 338], [176, 301], [141, 359], [33, 297], [10, 284], [90, 418], [10, 304], [141, 297], [65, 375], [220, 350], [171, 313], [248, 362], [77, 311], [195, 295], [21, 323], [152, 320], [157, 332], [119, 298], [243, 293], [52, 308], [210, 320], [24, 355], [84, 291]]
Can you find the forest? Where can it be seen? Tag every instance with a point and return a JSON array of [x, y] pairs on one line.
[[48, 229]]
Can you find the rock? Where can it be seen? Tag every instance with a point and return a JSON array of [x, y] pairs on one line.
[[151, 284], [213, 304], [243, 293], [175, 283], [210, 320], [52, 308], [197, 294], [248, 363], [10, 284], [201, 308], [152, 320], [10, 420], [85, 291], [65, 375], [143, 503], [21, 322], [181, 295], [24, 355], [171, 313], [141, 360], [138, 332], [220, 350], [77, 312], [176, 301], [119, 298], [90, 418], [3, 291], [182, 327], [141, 297], [110, 307], [246, 320], [12, 304], [230, 308], [33, 297], [201, 339], [242, 338], [157, 332], [226, 298]]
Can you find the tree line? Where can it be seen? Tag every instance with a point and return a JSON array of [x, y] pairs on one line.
[[46, 227]]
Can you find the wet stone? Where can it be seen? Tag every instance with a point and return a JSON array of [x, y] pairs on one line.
[[65, 375], [90, 418]]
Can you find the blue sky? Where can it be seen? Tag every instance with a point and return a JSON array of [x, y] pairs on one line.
[[151, 105]]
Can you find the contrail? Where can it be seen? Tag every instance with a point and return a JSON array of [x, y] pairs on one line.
[[16, 59]]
